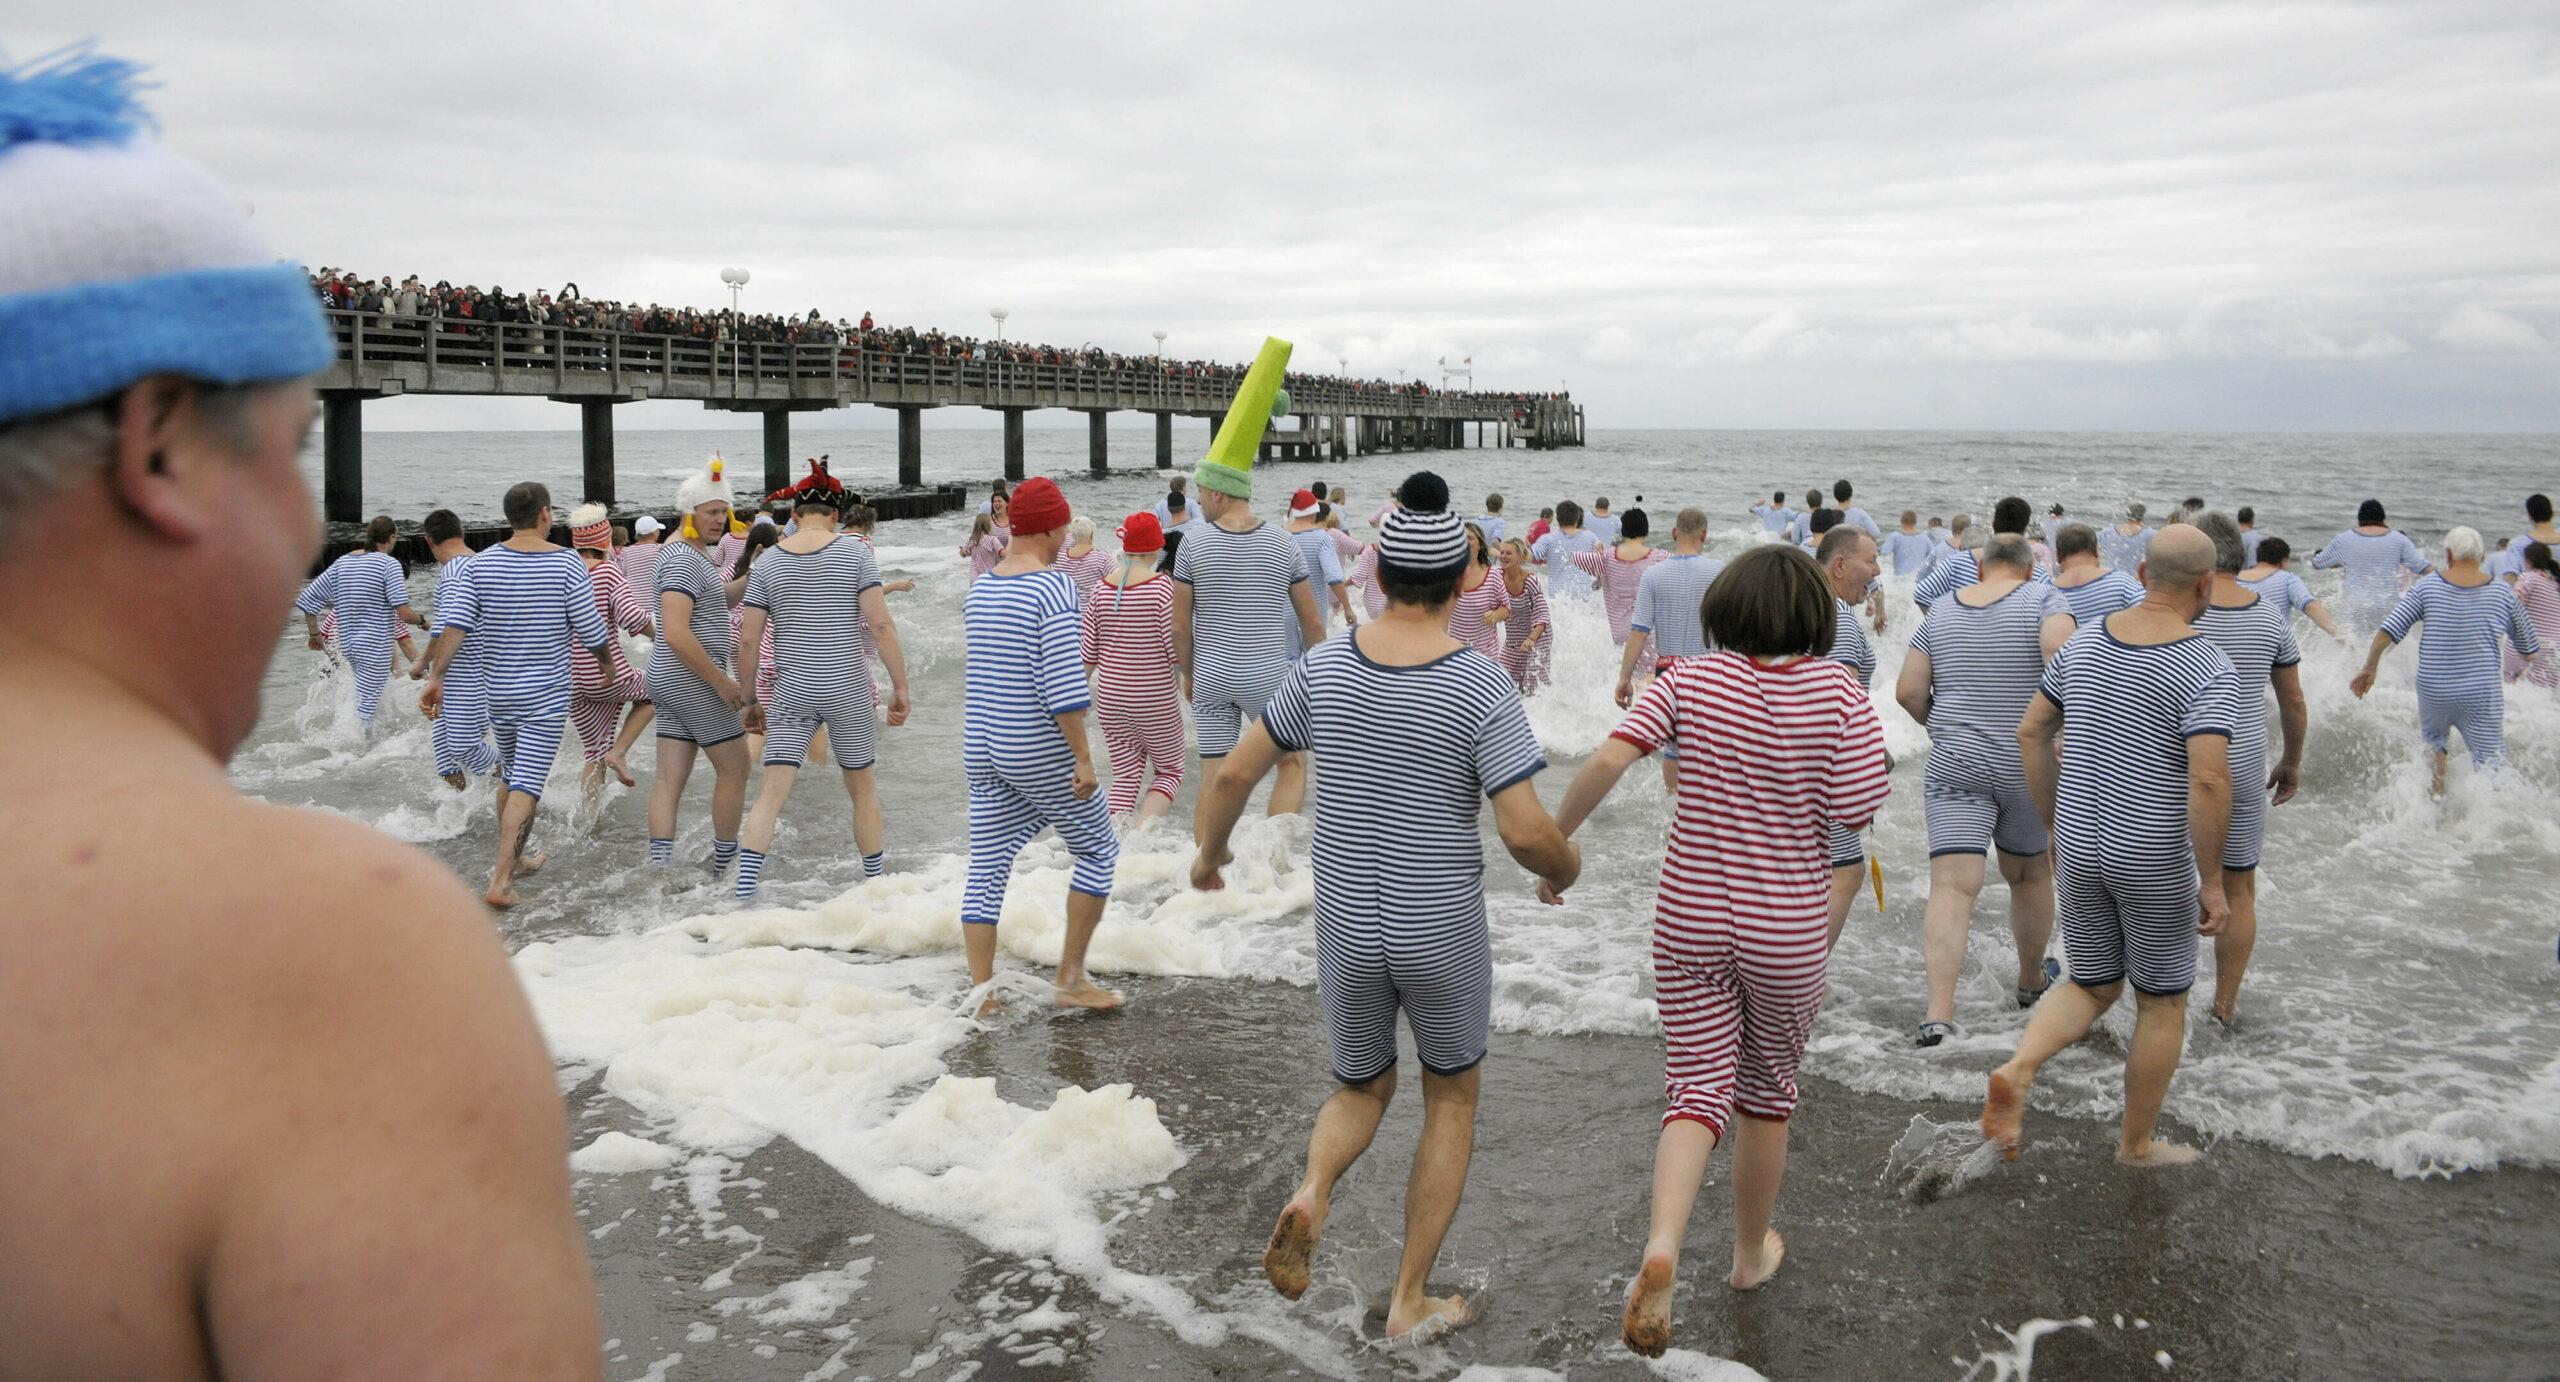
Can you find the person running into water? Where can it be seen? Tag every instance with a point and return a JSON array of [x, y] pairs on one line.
[[1023, 743], [983, 548], [2121, 545], [690, 679], [1663, 626], [1525, 635], [460, 732], [1911, 549], [1557, 549], [367, 595], [1137, 692], [1082, 563], [2374, 554], [1850, 513], [1173, 503], [760, 538], [1483, 603], [2538, 590], [2270, 576], [1963, 568], [1413, 731], [1848, 559], [1968, 677], [598, 692], [1605, 528], [1780, 749], [2466, 611], [2537, 512], [818, 592], [2092, 591], [2250, 537], [527, 602], [1774, 516], [1322, 559], [2142, 794], [2256, 633], [1619, 570]]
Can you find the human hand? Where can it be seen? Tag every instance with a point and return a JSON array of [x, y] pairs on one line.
[[319, 644], [1086, 783], [2361, 683], [2216, 908], [1495, 616], [431, 700], [898, 705], [1626, 692], [753, 720], [2285, 780], [732, 694]]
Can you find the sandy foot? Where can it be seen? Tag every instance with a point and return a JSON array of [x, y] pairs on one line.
[[2003, 1113], [1087, 995], [1647, 1327], [1288, 1262], [1438, 1317], [2160, 1152], [1752, 1269]]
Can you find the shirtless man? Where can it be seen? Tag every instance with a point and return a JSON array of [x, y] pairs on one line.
[[245, 1138]]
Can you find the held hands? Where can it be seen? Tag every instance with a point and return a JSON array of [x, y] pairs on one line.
[[318, 644], [1551, 888], [2361, 683], [1205, 868], [2284, 780], [734, 695], [753, 721], [898, 705], [1496, 615]]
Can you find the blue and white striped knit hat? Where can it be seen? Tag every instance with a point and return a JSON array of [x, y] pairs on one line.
[[119, 259], [1422, 541]]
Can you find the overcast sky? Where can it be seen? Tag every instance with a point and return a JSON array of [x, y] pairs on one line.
[[2042, 215]]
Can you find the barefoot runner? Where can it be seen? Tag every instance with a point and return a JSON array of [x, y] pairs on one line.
[[596, 699]]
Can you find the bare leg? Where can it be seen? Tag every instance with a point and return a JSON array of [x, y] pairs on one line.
[[1289, 786], [1759, 1165], [1679, 1164], [1084, 913], [1343, 1129], [1954, 881], [2159, 1036], [2064, 1017], [869, 830], [729, 790], [2030, 882], [1845, 883], [757, 832], [633, 722], [1152, 805], [2436, 785], [591, 783], [981, 940], [675, 765], [1430, 1202], [1200, 806], [2239, 937], [514, 819]]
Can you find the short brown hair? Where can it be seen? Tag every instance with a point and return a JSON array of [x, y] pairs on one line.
[[1772, 601], [2074, 540], [525, 503]]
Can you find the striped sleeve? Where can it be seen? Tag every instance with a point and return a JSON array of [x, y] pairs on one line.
[[1643, 620], [1506, 749], [391, 586], [1942, 578], [2288, 652], [2215, 706], [1653, 719], [2410, 557], [1589, 559], [1536, 590], [1332, 561], [461, 610], [1089, 633], [628, 612], [1063, 689], [2519, 627], [321, 594], [1861, 776], [2411, 609], [1185, 564], [1289, 717], [2053, 602], [2056, 674], [578, 595], [759, 593]]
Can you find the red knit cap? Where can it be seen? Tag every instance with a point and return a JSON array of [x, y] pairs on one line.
[[1141, 533], [1038, 507]]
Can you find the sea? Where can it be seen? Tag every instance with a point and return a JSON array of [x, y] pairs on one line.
[[797, 1159]]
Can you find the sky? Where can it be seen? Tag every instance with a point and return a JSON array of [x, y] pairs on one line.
[[2047, 215]]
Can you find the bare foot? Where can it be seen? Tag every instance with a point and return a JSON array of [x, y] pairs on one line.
[[2003, 1113], [454, 780], [2160, 1152], [1647, 1327], [990, 1005], [501, 896], [1751, 1269], [528, 865], [621, 769], [1083, 993], [1289, 1261], [1436, 1317]]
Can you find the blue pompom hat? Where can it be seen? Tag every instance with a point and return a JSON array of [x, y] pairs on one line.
[[119, 259]]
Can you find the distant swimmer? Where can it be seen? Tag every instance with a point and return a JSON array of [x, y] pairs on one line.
[[2538, 590], [2537, 513], [1483, 602], [1556, 550], [819, 592], [460, 733], [1243, 605], [275, 1104], [2010, 517], [2269, 576], [2250, 537], [2092, 591], [598, 692], [1911, 549], [1083, 563], [1800, 530], [1850, 513], [1493, 525], [2255, 631], [1413, 732], [1619, 570], [2466, 612], [1969, 676], [1023, 744], [1664, 626], [1137, 689], [1780, 750], [1527, 636], [2121, 544], [1847, 557], [1604, 525], [692, 679], [2374, 554], [1323, 560], [2140, 794], [1774, 516], [367, 591]]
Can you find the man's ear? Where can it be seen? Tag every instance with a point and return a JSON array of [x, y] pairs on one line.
[[158, 470]]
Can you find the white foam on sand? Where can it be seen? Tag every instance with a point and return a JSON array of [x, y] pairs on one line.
[[616, 1153]]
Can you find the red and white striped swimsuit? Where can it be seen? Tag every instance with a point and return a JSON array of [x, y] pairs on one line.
[[1528, 667], [1618, 581], [1088, 570], [1128, 635], [1364, 574], [1466, 615], [985, 552], [765, 668], [1770, 759], [596, 698]]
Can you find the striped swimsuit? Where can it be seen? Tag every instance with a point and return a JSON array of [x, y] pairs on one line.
[[596, 699], [1528, 666], [525, 609], [983, 553], [1983, 665], [1911, 554], [1850, 648], [1959, 570], [2285, 588], [813, 608], [1405, 758], [1619, 581], [1243, 625], [1023, 672], [2124, 872], [2540, 596], [638, 563], [1088, 570], [1557, 550], [2095, 600], [2374, 562], [1772, 759], [2121, 551], [1324, 571], [461, 733], [2459, 682], [1668, 598], [1467, 612], [2258, 638], [690, 709], [1364, 574], [364, 592], [1128, 637]]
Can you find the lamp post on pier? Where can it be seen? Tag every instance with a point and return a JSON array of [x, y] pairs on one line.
[[1159, 345], [737, 280], [999, 314]]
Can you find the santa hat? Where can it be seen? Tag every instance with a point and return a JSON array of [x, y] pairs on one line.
[[1228, 468], [1304, 504], [119, 259]]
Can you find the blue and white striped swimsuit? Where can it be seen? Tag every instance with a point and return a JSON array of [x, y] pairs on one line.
[[820, 651], [1959, 570], [2258, 638], [525, 609], [1668, 597], [1026, 668], [2111, 591], [1850, 648], [1557, 548], [1242, 619], [1983, 665], [690, 709], [2123, 552], [2374, 562], [1323, 562], [1774, 518], [2125, 866], [365, 589], [2460, 686], [461, 733], [2285, 588], [1912, 554], [1405, 759]]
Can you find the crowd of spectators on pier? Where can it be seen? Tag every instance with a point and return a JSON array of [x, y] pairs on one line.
[[570, 308]]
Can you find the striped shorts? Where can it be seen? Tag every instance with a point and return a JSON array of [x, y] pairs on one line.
[[2480, 716], [2132, 918], [596, 713], [1442, 980], [1004, 815], [1145, 744], [689, 710], [1224, 696], [461, 733], [526, 745], [1847, 850], [1736, 1010], [1974, 806], [2248, 809], [852, 718]]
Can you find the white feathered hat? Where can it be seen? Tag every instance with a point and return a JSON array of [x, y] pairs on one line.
[[707, 485]]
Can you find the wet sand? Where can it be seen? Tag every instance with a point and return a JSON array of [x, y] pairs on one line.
[[2253, 1264]]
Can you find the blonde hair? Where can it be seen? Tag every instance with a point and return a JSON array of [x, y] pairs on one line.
[[1080, 531], [984, 524]]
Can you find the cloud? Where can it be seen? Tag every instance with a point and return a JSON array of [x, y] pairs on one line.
[[2474, 327]]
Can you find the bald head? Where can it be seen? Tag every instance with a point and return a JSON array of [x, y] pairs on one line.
[[2179, 557]]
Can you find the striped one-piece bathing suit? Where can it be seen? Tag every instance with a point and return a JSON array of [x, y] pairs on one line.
[[1364, 574], [1243, 625], [1324, 572], [461, 734], [2540, 596], [2122, 551], [638, 563], [690, 709], [813, 609], [1405, 758], [2373, 562], [1467, 612], [1668, 604], [596, 698], [1088, 570], [1025, 668], [1983, 665], [2092, 601], [1959, 570], [2258, 638], [2459, 681], [526, 609], [1772, 758], [1850, 648], [1128, 638], [364, 591], [2124, 872], [2285, 589], [1774, 518], [1527, 665], [1619, 581], [1556, 551], [984, 552], [1911, 554]]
